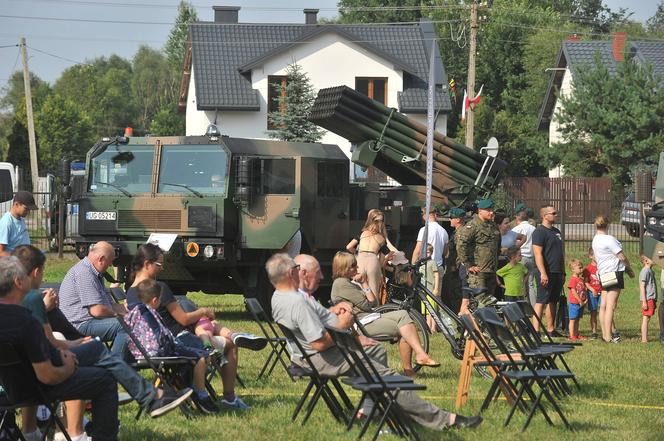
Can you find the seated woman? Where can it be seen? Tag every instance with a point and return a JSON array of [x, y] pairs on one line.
[[352, 287], [147, 264]]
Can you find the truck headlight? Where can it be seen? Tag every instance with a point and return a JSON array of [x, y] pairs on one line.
[[208, 251]]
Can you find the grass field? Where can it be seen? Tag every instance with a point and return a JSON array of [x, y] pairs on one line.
[[621, 398]]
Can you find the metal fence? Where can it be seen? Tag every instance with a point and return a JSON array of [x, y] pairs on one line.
[[578, 201], [41, 222]]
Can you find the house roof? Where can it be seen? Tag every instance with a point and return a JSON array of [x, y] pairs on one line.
[[575, 55], [223, 55]]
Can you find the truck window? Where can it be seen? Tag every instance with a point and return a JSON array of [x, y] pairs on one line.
[[330, 177], [278, 176], [114, 171], [6, 186], [193, 169]]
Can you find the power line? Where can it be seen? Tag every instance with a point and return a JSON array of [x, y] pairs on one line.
[[57, 56]]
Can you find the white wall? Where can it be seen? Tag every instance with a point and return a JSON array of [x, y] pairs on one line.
[[555, 135], [329, 62]]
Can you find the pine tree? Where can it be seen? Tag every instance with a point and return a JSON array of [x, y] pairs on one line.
[[177, 39], [295, 99]]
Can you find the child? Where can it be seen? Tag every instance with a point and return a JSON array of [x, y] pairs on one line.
[[159, 341], [648, 295], [431, 276], [577, 298], [513, 274], [594, 292]]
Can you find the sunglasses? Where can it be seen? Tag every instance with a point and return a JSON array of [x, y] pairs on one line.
[[553, 213]]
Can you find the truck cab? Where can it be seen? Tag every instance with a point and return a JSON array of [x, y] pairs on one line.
[[229, 202]]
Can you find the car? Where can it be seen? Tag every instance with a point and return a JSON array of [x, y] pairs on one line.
[[631, 211]]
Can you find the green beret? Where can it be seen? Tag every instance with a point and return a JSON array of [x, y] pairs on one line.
[[530, 212], [485, 204], [520, 206], [457, 213]]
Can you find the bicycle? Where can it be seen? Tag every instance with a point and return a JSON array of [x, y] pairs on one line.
[[446, 320]]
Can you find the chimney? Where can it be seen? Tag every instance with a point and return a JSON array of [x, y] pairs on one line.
[[310, 16], [619, 45], [226, 14]]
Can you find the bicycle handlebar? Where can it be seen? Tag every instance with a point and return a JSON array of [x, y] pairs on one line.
[[417, 264]]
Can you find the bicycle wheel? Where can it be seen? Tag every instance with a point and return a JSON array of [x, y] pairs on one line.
[[420, 325]]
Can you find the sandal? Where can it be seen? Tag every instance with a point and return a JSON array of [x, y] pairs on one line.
[[429, 362]]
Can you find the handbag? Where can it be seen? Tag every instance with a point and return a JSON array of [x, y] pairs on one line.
[[607, 280]]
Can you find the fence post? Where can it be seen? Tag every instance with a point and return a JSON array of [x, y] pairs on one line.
[[562, 208], [61, 219]]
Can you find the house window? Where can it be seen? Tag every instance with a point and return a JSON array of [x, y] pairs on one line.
[[275, 90], [374, 88]]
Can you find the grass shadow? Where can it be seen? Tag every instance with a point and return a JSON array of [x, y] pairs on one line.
[[597, 390]]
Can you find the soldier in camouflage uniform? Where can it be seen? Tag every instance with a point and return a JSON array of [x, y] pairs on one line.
[[478, 244], [452, 281]]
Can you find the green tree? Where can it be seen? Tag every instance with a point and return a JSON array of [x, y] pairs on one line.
[[295, 100], [64, 131], [177, 40], [151, 84], [611, 122], [167, 122], [655, 24], [380, 11]]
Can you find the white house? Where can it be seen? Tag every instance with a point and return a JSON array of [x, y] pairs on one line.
[[576, 54], [231, 69]]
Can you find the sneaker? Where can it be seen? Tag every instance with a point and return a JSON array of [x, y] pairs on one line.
[[464, 422], [61, 437], [555, 333], [207, 405], [249, 341], [615, 336], [236, 404], [581, 337], [33, 436], [169, 401], [594, 336]]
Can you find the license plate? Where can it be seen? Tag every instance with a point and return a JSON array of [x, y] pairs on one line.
[[100, 215]]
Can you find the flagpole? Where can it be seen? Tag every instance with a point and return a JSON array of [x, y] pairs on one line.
[[430, 128]]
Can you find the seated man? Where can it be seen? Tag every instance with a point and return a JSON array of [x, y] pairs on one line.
[[307, 320], [88, 352], [85, 302], [56, 370]]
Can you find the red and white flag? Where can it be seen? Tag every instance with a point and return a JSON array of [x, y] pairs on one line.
[[468, 101]]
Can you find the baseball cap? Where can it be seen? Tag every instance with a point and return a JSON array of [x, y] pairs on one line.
[[25, 198]]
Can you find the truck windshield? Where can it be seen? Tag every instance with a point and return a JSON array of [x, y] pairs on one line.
[[193, 169], [127, 171]]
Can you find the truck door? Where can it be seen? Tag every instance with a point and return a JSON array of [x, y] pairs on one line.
[[272, 214], [331, 205]]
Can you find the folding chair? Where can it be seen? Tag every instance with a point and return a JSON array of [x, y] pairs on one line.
[[381, 389], [278, 344], [167, 370], [546, 354], [319, 383], [520, 369], [10, 359]]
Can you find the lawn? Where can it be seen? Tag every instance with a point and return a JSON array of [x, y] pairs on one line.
[[621, 398]]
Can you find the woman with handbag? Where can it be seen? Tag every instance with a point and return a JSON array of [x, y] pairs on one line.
[[611, 266]]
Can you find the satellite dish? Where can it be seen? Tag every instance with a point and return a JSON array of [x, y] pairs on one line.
[[491, 148]]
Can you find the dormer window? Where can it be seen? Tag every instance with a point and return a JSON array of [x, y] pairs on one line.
[[374, 88]]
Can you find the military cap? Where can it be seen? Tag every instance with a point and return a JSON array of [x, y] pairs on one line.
[[485, 204], [520, 206], [457, 212], [530, 212]]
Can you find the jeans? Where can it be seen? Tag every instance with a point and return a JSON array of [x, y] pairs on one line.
[[107, 329], [95, 354], [533, 272], [99, 386]]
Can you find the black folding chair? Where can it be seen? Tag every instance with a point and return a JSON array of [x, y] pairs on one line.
[[11, 359], [381, 389], [320, 384], [278, 344], [521, 370], [169, 371], [545, 355]]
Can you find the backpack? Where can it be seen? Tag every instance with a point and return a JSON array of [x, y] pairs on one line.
[[150, 332]]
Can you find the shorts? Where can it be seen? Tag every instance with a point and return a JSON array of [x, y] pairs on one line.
[[512, 299], [551, 292], [594, 302], [575, 311], [620, 275], [651, 309]]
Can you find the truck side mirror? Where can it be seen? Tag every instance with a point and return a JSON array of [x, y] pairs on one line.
[[66, 171], [243, 181]]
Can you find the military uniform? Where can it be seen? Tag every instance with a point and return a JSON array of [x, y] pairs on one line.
[[478, 244]]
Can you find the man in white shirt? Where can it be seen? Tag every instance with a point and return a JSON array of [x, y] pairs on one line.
[[436, 236], [526, 228]]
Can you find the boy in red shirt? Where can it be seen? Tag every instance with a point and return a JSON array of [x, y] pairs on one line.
[[577, 298], [594, 291]]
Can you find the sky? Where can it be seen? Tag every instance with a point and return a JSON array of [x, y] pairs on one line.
[[61, 33]]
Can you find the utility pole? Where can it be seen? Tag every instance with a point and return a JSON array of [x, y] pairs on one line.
[[31, 122], [470, 84]]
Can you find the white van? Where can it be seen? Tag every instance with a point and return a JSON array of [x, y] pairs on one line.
[[8, 185]]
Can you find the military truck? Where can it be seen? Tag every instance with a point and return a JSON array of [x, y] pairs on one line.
[[231, 202], [653, 237]]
